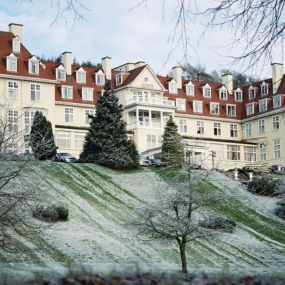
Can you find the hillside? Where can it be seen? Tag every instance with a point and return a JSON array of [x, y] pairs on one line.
[[100, 201]]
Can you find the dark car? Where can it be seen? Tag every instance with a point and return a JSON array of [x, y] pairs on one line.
[[65, 157], [155, 162], [277, 169]]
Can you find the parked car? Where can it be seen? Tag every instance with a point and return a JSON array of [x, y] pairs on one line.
[[143, 161], [277, 169], [155, 162], [65, 157], [194, 164]]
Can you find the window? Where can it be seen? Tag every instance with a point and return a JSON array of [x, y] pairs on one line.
[[264, 89], [276, 148], [172, 87], [89, 113], [100, 78], [80, 76], [87, 94], [68, 115], [66, 92], [35, 92], [190, 89], [16, 45], [276, 123], [217, 129], [249, 153], [251, 92], [238, 95], [151, 141], [197, 106], [214, 108], [261, 126], [231, 110], [277, 101], [262, 151], [11, 63], [223, 93], [247, 130], [13, 121], [207, 92], [63, 139], [79, 139], [13, 89], [29, 117], [262, 105], [33, 66], [119, 79], [60, 73], [233, 130], [180, 104], [144, 118], [200, 127], [249, 109], [233, 152], [183, 125]]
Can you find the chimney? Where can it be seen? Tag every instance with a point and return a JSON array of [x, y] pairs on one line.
[[67, 61], [177, 75], [17, 30], [277, 74], [227, 80], [106, 66]]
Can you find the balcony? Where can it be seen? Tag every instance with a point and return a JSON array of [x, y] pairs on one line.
[[140, 124], [153, 101]]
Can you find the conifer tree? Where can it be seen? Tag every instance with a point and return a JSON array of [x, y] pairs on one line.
[[42, 138], [172, 149], [107, 143]]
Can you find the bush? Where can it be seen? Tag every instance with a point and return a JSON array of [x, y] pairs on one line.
[[51, 213], [219, 224], [265, 186], [280, 211]]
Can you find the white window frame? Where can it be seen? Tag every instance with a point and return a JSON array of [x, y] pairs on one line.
[[100, 78], [230, 108], [262, 151], [190, 91], [172, 87], [223, 93], [79, 139], [34, 66], [248, 130], [276, 101], [251, 92], [275, 123], [264, 89], [233, 130], [87, 94], [119, 79], [66, 92], [68, 115], [60, 73], [11, 63], [183, 126], [214, 108], [13, 121], [180, 104], [200, 127], [88, 112], [16, 45], [197, 106], [233, 152], [207, 91], [217, 129], [238, 95], [261, 126], [13, 90], [63, 139], [35, 92], [249, 153], [81, 76], [249, 109], [277, 148], [262, 105]]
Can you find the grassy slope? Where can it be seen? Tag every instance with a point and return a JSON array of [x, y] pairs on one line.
[[101, 200]]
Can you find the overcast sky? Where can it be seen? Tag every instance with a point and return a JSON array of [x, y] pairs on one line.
[[112, 28]]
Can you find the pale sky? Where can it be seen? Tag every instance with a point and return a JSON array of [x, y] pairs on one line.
[[112, 28]]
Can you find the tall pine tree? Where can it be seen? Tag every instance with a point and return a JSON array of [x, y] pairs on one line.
[[41, 138], [172, 150], [107, 143]]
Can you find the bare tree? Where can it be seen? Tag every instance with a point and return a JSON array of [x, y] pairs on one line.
[[180, 213]]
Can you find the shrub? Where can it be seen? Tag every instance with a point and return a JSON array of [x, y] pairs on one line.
[[280, 211], [219, 224], [265, 186], [51, 213]]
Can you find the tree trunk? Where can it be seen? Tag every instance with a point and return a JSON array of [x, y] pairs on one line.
[[182, 247]]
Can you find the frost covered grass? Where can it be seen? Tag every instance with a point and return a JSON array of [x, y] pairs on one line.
[[101, 200]]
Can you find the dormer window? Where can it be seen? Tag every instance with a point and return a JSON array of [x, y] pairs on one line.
[[249, 109], [66, 92], [231, 110], [119, 79], [16, 44], [33, 65], [264, 89], [189, 89], [60, 73], [238, 94], [100, 78], [263, 105], [223, 93], [251, 92], [11, 63], [172, 87], [81, 76], [207, 92], [87, 94]]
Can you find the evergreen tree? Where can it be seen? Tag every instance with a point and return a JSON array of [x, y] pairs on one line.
[[41, 138], [172, 149], [107, 143]]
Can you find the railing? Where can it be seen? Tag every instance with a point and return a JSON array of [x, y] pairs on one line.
[[139, 124], [154, 101]]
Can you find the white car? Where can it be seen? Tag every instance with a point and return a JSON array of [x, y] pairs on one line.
[[143, 161]]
